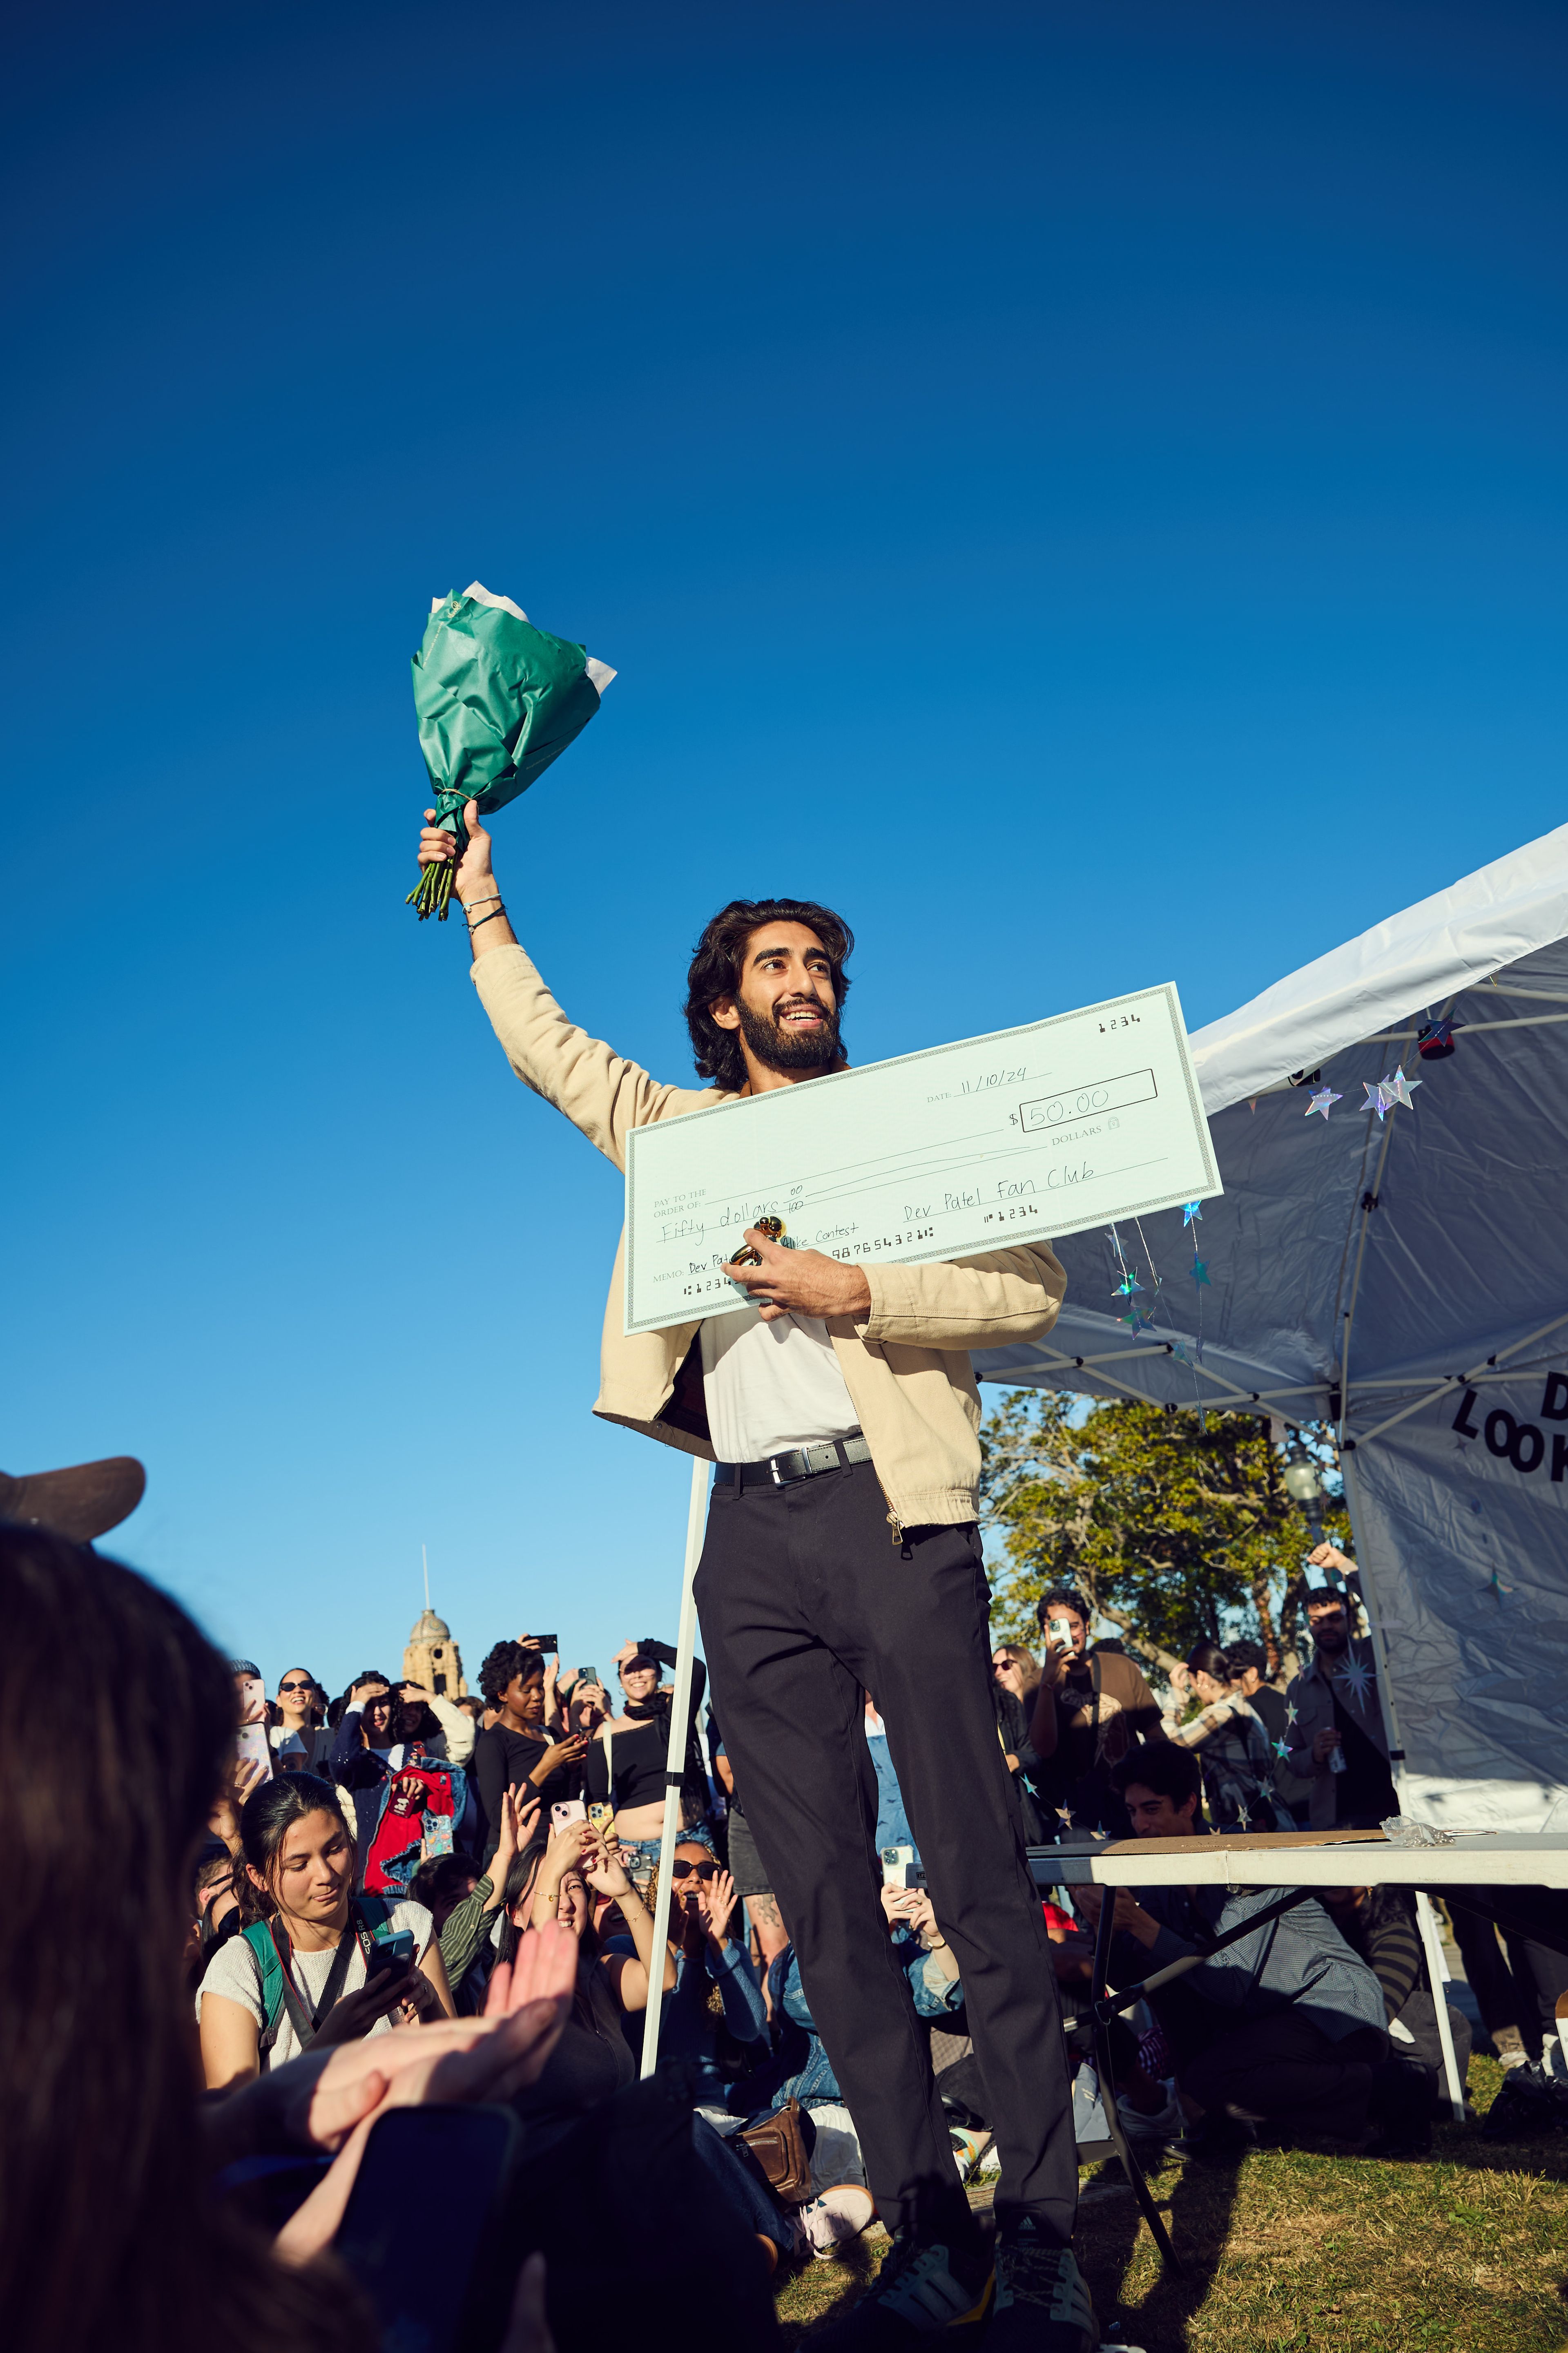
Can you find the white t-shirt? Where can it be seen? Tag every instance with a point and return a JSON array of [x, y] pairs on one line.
[[234, 1972], [771, 1387]]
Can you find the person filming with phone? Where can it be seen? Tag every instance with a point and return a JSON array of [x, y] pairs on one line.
[[314, 1963], [1092, 1709], [516, 1751]]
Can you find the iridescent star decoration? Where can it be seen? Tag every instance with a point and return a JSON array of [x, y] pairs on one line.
[[1289, 1715], [1190, 1210], [1324, 1100], [1135, 1319], [1377, 1099], [1127, 1286], [1282, 1748], [1398, 1088], [1356, 1679], [1200, 1271]]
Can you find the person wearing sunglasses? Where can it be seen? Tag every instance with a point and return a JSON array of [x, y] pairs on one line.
[[301, 1706]]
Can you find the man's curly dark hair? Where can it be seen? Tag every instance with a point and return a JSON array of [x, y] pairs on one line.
[[503, 1664], [715, 971]]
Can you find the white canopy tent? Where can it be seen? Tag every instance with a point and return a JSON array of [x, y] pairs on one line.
[[1408, 1278]]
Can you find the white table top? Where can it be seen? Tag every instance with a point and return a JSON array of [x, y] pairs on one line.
[[1310, 1859]]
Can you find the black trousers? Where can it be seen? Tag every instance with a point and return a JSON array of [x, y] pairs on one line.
[[806, 1604]]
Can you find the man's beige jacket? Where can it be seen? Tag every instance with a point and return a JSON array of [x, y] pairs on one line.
[[906, 1366]]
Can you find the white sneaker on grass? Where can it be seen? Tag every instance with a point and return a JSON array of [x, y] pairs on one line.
[[839, 2215]]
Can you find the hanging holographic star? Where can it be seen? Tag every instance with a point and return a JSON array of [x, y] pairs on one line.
[[1324, 1100], [1200, 1271], [1356, 1679], [1398, 1088], [1375, 1098], [1179, 1352], [1190, 1209], [1127, 1286], [1282, 1748], [1135, 1319]]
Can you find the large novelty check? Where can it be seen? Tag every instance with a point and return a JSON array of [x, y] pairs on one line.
[[1028, 1133]]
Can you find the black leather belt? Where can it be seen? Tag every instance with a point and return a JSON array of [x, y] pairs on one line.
[[800, 1462]]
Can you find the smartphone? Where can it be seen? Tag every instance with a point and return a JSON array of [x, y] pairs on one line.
[[463, 2299], [1061, 1630], [570, 1809], [550, 1642], [591, 1676], [391, 1956], [897, 1864], [602, 1818], [255, 1749]]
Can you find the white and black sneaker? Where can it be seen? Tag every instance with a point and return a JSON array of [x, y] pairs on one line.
[[925, 2294], [1043, 2304]]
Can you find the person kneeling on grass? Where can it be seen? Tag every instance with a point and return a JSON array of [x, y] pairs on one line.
[[1284, 2028]]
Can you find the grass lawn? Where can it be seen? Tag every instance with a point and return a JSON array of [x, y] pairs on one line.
[[1467, 2251]]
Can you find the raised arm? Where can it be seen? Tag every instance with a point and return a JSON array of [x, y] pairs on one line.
[[599, 1091]]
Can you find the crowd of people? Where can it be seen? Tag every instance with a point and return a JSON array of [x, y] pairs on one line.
[[397, 1907]]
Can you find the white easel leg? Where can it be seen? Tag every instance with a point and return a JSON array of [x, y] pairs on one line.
[[674, 1761]]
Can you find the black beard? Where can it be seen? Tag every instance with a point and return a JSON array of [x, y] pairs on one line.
[[779, 1049]]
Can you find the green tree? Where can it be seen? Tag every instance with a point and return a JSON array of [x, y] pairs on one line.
[[1173, 1532]]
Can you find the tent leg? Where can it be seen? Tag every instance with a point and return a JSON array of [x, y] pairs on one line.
[[675, 1759], [1426, 1920]]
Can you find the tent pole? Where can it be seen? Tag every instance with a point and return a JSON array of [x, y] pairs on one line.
[[1426, 1921], [675, 1758]]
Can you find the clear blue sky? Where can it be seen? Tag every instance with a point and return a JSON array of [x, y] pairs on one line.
[[1081, 488]]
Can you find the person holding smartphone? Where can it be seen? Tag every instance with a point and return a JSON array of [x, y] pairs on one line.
[[305, 1970], [1092, 1709], [516, 1752]]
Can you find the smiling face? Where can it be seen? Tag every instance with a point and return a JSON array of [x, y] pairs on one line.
[[787, 1010], [312, 1871], [639, 1678], [1155, 1815]]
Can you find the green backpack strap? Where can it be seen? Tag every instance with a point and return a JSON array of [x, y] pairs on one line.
[[375, 1914], [258, 1936]]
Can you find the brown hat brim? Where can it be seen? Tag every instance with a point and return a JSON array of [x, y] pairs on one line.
[[83, 1502]]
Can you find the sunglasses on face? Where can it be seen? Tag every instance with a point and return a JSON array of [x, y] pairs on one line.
[[703, 1870], [294, 1687]]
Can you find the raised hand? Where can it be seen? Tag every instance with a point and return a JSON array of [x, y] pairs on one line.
[[602, 1867], [438, 847], [569, 1751], [718, 1902]]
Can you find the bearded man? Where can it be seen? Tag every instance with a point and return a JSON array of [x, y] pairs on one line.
[[842, 1553]]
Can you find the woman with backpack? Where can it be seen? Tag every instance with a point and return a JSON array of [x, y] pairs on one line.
[[303, 1972]]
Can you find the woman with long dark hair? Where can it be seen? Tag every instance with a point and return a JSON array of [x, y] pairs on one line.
[[301, 1971], [108, 2231]]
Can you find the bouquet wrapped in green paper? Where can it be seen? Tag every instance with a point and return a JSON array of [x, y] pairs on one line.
[[497, 700]]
